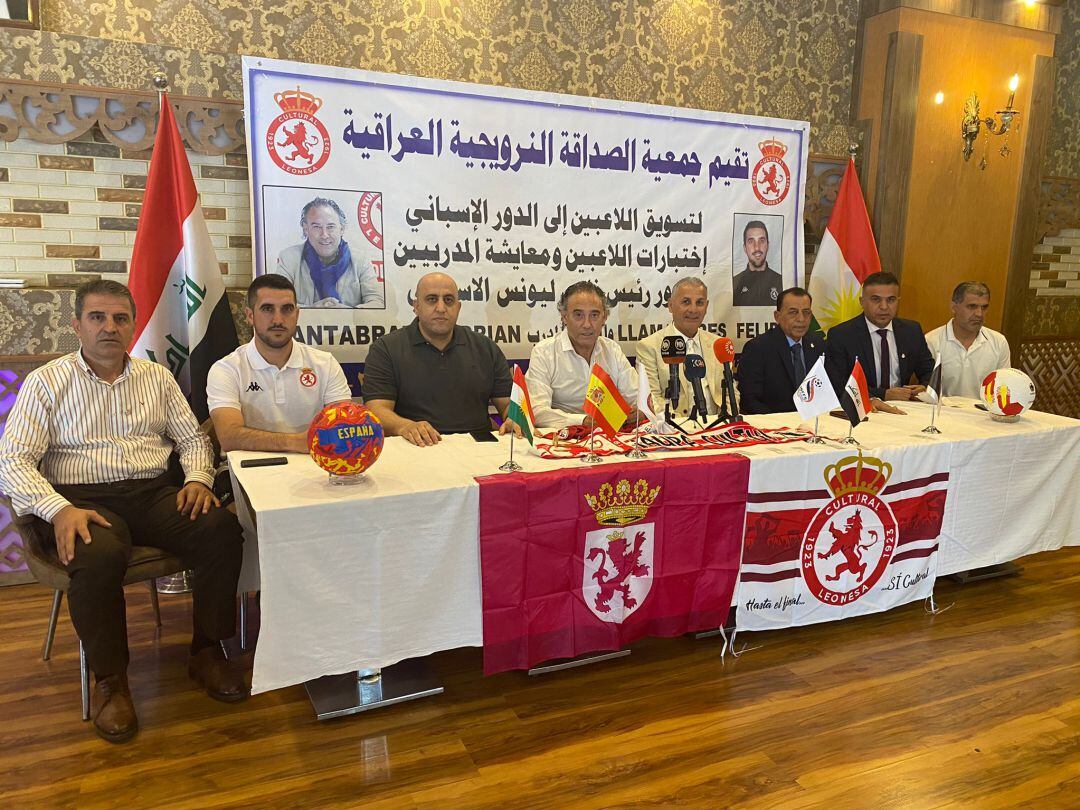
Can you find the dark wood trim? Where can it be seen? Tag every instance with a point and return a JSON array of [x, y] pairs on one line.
[[33, 23], [1046, 16], [1025, 219], [896, 148]]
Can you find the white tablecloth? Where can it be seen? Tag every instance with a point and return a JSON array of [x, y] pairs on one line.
[[364, 576]]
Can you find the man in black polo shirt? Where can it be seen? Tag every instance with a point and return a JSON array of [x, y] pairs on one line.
[[433, 376]]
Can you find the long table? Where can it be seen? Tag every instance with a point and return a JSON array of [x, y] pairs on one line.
[[364, 576]]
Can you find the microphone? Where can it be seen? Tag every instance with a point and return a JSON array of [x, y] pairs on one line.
[[695, 373], [673, 352], [724, 350]]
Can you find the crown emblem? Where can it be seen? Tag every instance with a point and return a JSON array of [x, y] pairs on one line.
[[596, 396], [857, 474], [298, 101], [622, 505], [772, 148]]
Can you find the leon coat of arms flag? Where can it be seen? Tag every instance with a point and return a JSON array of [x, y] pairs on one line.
[[585, 559], [604, 403]]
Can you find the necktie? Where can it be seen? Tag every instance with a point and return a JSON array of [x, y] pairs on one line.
[[797, 362], [885, 377]]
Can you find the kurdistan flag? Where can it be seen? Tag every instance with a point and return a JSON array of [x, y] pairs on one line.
[[520, 410], [847, 255]]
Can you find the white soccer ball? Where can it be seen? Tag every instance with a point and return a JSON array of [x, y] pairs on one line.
[[1008, 392]]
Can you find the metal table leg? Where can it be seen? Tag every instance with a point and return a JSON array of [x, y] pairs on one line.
[[354, 692]]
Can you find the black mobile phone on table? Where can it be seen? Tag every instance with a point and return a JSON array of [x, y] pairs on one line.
[[270, 461], [483, 436]]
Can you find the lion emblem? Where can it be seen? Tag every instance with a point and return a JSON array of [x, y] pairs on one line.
[[625, 563], [848, 542], [299, 141]]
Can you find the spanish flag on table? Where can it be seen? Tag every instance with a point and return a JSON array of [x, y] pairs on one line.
[[520, 411], [604, 403]]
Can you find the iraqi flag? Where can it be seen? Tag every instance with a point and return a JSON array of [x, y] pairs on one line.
[[856, 396], [846, 256], [182, 313]]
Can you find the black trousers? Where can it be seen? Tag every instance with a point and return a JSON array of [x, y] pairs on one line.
[[144, 513]]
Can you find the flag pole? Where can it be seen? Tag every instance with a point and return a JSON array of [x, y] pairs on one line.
[[637, 453], [592, 457], [816, 438], [931, 428], [850, 439], [511, 465]]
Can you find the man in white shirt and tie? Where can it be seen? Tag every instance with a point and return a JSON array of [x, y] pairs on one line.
[[560, 366], [967, 349], [687, 304]]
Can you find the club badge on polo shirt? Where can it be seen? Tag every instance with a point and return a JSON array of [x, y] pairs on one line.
[[308, 378]]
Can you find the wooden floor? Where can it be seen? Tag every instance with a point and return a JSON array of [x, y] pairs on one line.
[[978, 706]]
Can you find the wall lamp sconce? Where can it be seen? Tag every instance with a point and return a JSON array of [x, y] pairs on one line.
[[1001, 125]]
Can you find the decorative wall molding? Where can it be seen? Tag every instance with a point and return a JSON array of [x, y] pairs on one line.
[[1054, 366], [57, 113]]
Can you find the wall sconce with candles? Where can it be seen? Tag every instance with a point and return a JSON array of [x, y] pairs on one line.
[[973, 123]]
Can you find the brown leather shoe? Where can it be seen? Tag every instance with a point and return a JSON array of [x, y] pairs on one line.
[[112, 711], [209, 668]]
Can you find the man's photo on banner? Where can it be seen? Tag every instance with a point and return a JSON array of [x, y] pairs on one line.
[[328, 242], [757, 260]]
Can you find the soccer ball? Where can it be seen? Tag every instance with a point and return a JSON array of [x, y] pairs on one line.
[[1008, 392], [345, 438]]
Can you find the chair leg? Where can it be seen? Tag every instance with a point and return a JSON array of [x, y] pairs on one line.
[[50, 634], [154, 600], [243, 622], [84, 682]]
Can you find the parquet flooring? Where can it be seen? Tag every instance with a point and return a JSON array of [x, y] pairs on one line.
[[978, 707]]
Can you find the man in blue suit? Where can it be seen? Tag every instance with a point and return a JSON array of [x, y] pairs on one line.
[[774, 364], [891, 350]]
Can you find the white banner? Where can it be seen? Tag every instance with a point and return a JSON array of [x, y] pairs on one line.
[[828, 537], [517, 195]]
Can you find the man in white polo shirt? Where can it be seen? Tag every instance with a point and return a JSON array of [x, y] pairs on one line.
[[264, 395], [967, 349]]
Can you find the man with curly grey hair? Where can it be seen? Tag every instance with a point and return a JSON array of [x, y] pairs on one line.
[[322, 268]]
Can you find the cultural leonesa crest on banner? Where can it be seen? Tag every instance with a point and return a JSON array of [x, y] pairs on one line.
[[296, 140], [771, 177], [618, 561], [851, 539]]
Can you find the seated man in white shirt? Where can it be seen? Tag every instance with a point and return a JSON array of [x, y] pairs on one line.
[[688, 304], [264, 395], [87, 449], [967, 349], [560, 366]]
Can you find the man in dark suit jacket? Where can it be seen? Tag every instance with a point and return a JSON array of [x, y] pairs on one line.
[[880, 339], [775, 363]]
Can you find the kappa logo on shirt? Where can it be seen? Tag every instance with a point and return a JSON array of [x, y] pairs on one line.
[[254, 386]]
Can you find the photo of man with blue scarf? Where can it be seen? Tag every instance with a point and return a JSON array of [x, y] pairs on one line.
[[322, 268]]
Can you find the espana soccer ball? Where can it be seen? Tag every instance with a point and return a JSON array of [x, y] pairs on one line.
[[345, 438], [1008, 392]]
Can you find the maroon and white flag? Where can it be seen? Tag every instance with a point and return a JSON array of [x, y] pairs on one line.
[[182, 313], [839, 535], [584, 559]]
